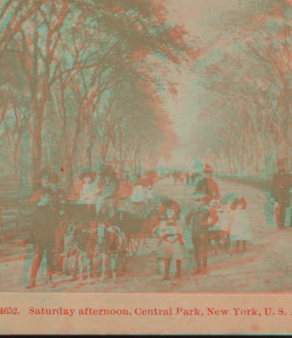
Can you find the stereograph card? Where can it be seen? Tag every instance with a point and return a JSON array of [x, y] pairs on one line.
[[145, 173]]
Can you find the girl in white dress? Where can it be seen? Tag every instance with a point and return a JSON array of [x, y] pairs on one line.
[[171, 239], [241, 231], [226, 221]]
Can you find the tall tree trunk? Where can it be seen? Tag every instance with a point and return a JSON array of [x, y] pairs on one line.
[[37, 142]]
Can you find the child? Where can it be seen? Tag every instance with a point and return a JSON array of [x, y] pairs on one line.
[[155, 224], [227, 218], [241, 228], [198, 221], [216, 212], [171, 239]]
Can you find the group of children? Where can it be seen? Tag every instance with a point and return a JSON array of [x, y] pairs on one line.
[[228, 218]]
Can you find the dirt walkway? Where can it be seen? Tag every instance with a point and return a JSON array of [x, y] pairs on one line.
[[265, 267]]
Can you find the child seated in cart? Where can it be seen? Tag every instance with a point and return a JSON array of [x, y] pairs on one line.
[[170, 247]]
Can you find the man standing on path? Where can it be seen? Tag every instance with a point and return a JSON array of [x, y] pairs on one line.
[[281, 192], [45, 222], [213, 189]]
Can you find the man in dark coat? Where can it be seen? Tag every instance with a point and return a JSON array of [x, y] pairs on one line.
[[281, 185], [201, 184], [213, 189], [45, 222]]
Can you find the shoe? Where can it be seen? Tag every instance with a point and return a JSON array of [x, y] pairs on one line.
[[166, 278], [23, 282], [196, 272], [31, 285], [52, 285]]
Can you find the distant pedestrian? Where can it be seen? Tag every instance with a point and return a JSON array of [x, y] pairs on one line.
[[268, 206], [281, 185], [213, 189]]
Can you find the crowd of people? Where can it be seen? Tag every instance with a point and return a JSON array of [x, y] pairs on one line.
[[93, 199], [206, 214], [208, 217]]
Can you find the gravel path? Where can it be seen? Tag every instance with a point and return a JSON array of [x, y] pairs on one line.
[[265, 267]]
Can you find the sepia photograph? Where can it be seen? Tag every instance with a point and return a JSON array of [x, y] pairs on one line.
[[146, 147]]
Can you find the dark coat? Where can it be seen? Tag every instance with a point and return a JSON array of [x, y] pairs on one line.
[[197, 218], [45, 219], [213, 188], [203, 186], [282, 182]]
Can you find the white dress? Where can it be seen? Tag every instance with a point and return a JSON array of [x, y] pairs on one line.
[[87, 195], [240, 230], [170, 247], [227, 220]]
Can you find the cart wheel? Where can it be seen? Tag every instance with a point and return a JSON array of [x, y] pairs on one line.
[[132, 247]]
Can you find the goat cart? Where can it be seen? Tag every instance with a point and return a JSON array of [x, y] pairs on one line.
[[84, 236], [76, 221], [133, 220]]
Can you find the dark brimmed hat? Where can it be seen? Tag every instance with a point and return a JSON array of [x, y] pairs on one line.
[[208, 169], [241, 201]]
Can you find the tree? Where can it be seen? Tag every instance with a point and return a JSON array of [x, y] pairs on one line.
[[248, 90], [74, 57]]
